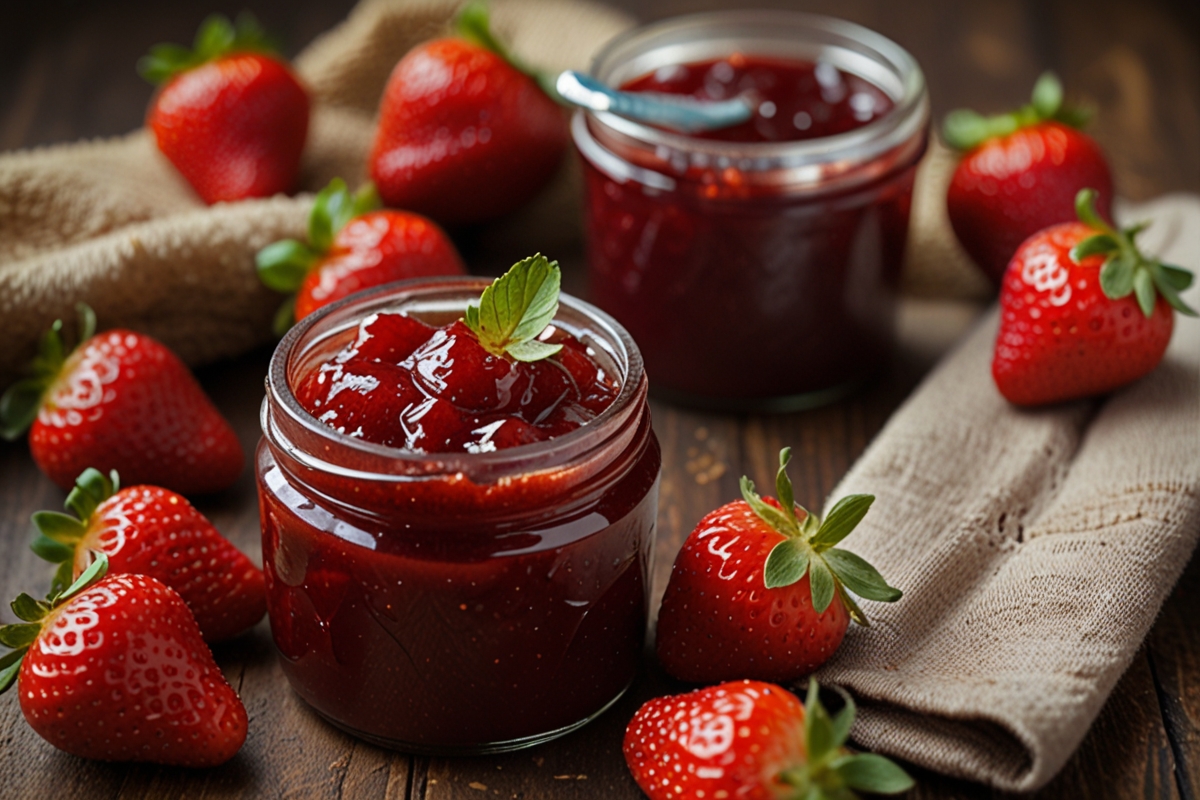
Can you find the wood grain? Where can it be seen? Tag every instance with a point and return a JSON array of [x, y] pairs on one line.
[[66, 72]]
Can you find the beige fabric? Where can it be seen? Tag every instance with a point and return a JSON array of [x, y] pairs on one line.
[[1034, 547], [111, 222]]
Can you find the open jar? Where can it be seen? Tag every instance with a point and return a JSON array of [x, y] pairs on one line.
[[754, 274], [461, 602]]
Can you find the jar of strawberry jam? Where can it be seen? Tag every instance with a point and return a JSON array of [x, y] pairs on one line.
[[756, 266], [457, 602]]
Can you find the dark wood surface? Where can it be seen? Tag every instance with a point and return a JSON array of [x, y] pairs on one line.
[[66, 72]]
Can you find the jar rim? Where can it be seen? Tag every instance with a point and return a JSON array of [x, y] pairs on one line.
[[492, 465], [849, 42]]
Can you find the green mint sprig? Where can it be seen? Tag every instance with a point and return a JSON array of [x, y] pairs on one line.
[[516, 308]]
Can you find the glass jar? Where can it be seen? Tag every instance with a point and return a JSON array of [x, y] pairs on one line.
[[453, 603], [759, 275]]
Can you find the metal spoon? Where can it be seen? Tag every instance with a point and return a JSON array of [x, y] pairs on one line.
[[686, 114]]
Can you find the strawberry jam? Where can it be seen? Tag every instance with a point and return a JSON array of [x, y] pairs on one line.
[[756, 266], [457, 550]]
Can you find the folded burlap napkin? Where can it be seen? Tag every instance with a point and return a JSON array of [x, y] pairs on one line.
[[1034, 548], [111, 222]]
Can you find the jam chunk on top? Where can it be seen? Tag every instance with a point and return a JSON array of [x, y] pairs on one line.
[[500, 377]]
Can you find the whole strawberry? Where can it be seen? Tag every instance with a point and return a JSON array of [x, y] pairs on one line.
[[114, 668], [759, 590], [352, 246], [465, 134], [1020, 173], [752, 741], [122, 401], [230, 115], [1083, 312], [146, 530]]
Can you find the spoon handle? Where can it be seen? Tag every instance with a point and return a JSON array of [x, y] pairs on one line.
[[685, 114]]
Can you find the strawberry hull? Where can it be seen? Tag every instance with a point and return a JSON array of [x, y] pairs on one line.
[[458, 602]]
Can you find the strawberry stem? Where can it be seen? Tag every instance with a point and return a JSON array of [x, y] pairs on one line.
[[473, 24], [217, 37], [20, 404], [965, 129]]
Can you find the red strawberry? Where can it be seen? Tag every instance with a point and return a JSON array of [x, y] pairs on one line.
[[352, 246], [1083, 312], [120, 401], [230, 115], [114, 668], [150, 531], [747, 740], [759, 589], [465, 134], [1020, 173]]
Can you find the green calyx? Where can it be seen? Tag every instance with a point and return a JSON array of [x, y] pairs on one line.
[[965, 129], [1126, 271], [284, 265], [809, 547], [217, 37], [516, 308], [19, 405], [832, 772], [60, 534], [20, 635], [473, 23]]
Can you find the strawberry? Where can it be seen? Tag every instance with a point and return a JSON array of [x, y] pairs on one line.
[[465, 133], [120, 401], [230, 115], [752, 741], [759, 589], [114, 668], [150, 531], [352, 246], [1082, 311], [1019, 174]]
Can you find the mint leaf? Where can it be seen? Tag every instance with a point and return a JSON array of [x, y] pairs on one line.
[[786, 563], [859, 576], [516, 308], [868, 772], [842, 519]]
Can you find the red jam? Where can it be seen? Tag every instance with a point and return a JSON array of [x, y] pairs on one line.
[[793, 100], [758, 266], [456, 602], [405, 384]]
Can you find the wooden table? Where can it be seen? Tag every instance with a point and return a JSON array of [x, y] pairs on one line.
[[66, 72]]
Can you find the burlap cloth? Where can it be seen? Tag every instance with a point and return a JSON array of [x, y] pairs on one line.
[[1034, 547]]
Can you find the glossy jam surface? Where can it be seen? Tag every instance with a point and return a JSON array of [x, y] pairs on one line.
[[793, 100], [406, 384], [744, 292], [432, 608]]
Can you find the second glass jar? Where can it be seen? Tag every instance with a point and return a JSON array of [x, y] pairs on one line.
[[753, 275]]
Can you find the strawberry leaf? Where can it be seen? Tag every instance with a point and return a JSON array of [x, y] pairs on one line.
[[216, 37], [1085, 210], [786, 563], [19, 634], [1177, 278], [516, 308], [93, 573], [844, 720], [63, 576], [868, 772], [820, 580], [818, 727], [474, 25], [1116, 276], [1167, 290], [51, 550], [19, 406], [842, 519], [765, 511], [1047, 95], [783, 486], [1094, 245], [285, 317], [28, 609], [1143, 287], [859, 576], [283, 265], [10, 665], [58, 526], [852, 607]]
